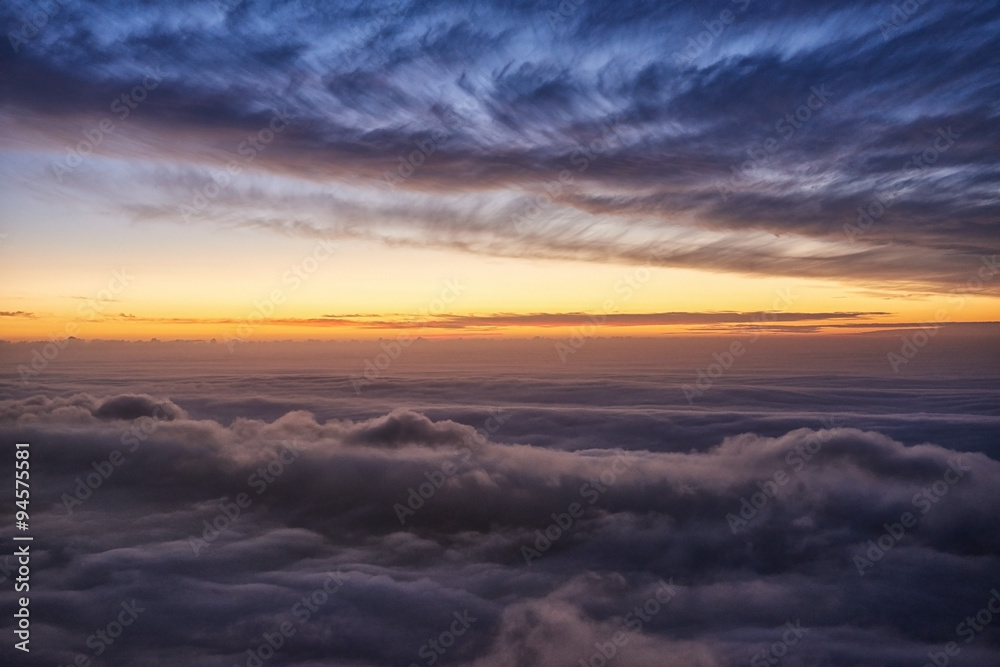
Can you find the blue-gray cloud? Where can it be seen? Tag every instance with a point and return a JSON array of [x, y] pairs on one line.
[[712, 133]]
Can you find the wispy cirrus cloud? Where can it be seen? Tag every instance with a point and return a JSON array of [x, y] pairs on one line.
[[367, 86]]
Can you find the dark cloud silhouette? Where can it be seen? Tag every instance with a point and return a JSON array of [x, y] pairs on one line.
[[133, 407]]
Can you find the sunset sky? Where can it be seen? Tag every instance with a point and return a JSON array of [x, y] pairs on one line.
[[550, 163], [557, 333]]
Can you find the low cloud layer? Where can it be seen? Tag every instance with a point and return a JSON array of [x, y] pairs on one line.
[[218, 529]]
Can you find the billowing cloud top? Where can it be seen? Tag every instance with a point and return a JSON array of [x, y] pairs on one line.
[[824, 517]]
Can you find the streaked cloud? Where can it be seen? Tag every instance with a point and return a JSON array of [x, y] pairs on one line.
[[484, 106]]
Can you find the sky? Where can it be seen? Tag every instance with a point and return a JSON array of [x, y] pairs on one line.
[[328, 170], [576, 333]]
